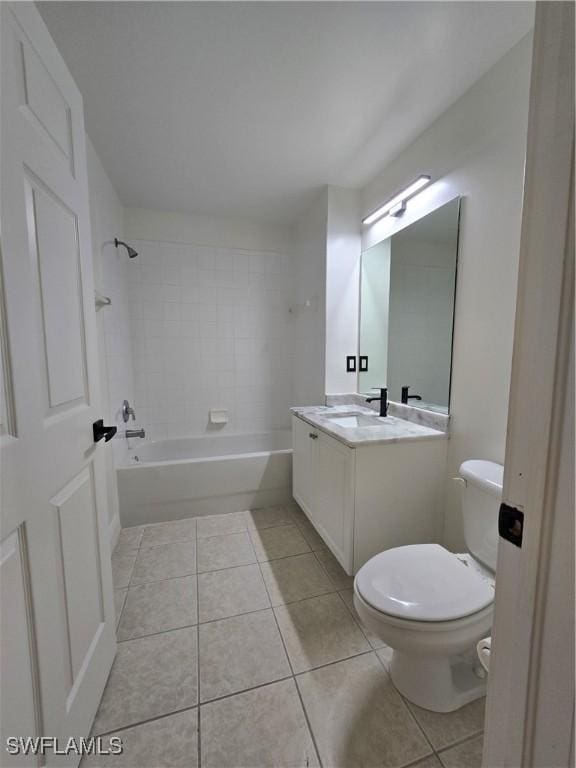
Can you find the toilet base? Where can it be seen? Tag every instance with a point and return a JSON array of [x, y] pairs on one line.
[[438, 684]]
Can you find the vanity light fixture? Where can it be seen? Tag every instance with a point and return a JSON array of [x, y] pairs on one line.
[[397, 204]]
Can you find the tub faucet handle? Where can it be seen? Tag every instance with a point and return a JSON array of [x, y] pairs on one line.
[[127, 411]]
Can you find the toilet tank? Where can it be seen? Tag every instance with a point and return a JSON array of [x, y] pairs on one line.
[[480, 505]]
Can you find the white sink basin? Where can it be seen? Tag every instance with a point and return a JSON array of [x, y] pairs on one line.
[[355, 420]]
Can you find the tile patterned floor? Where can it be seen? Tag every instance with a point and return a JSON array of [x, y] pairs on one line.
[[239, 647]]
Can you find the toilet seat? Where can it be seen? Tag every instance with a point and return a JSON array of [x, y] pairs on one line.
[[422, 582]]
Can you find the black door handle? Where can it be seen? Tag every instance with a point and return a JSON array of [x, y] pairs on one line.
[[100, 431], [511, 524]]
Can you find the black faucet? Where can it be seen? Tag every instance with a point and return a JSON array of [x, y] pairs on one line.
[[406, 396], [383, 401]]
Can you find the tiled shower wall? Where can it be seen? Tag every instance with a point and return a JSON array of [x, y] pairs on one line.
[[210, 329], [112, 321]]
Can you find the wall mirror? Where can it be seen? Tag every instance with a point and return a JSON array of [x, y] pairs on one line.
[[407, 294]]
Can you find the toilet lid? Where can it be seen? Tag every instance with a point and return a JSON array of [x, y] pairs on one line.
[[422, 582]]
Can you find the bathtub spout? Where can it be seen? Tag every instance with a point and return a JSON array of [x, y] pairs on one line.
[[135, 433]]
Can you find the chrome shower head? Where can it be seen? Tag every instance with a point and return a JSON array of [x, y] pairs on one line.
[[131, 252]]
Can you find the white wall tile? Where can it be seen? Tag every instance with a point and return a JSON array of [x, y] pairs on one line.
[[117, 277], [210, 328]]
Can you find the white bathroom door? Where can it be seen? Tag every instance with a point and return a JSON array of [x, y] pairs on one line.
[[531, 692], [57, 639]]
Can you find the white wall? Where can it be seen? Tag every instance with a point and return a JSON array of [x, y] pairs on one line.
[[327, 266], [111, 267], [210, 324], [475, 149], [309, 322], [374, 319], [342, 287], [201, 229]]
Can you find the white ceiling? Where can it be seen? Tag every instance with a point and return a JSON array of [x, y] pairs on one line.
[[246, 109]]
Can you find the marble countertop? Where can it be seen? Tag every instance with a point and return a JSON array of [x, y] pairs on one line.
[[432, 419], [393, 429]]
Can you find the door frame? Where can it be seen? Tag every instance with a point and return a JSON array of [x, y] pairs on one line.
[[530, 705]]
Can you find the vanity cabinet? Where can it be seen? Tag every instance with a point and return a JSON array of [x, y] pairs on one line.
[[323, 475], [367, 498]]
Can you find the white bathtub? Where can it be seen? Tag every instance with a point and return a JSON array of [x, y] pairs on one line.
[[173, 479]]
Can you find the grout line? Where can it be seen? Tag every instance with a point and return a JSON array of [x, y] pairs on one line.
[[293, 677], [463, 740], [163, 716], [119, 618], [220, 535], [419, 760], [332, 591], [144, 547], [257, 562], [116, 553], [406, 705], [224, 618], [253, 548], [332, 663], [199, 739], [276, 621], [411, 715], [196, 518], [236, 615], [169, 578], [132, 570], [308, 723], [285, 557], [248, 529], [337, 588], [161, 581], [301, 599], [227, 568], [245, 690], [154, 634], [356, 620]]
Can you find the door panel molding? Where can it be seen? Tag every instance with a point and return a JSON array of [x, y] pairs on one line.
[[75, 507], [8, 424], [20, 671], [60, 300], [42, 101]]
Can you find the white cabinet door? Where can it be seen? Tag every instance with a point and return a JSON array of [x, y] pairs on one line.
[[334, 503], [304, 444], [57, 615]]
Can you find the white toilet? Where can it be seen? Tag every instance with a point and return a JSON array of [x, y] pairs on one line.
[[432, 606]]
